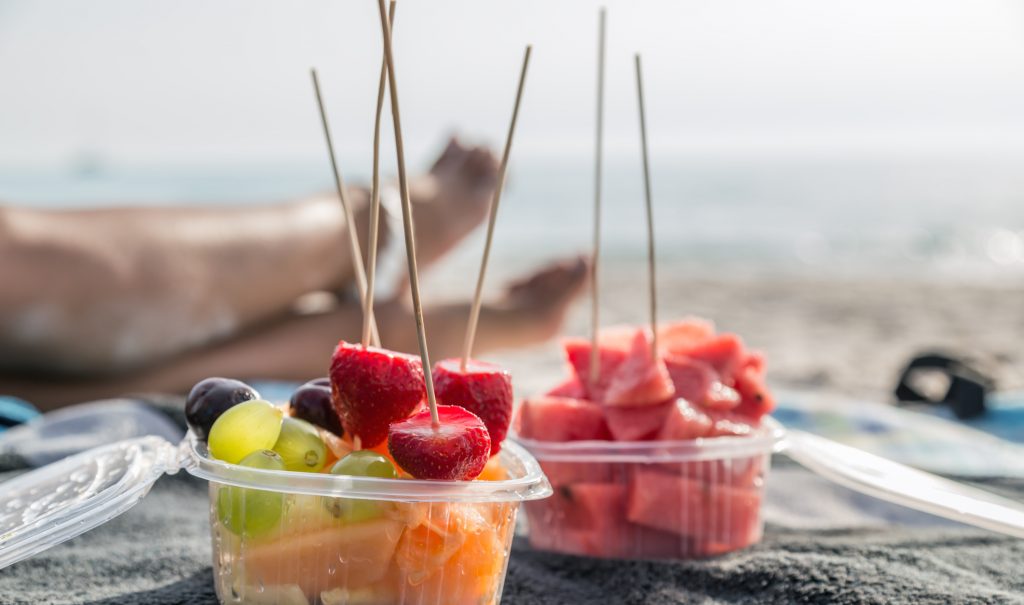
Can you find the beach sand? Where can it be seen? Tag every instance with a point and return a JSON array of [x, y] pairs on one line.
[[837, 334]]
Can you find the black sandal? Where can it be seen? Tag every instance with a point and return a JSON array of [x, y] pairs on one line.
[[968, 387]]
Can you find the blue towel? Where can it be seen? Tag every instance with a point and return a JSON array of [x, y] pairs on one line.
[[14, 411]]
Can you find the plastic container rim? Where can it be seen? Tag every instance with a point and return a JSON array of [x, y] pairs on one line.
[[768, 438], [532, 485]]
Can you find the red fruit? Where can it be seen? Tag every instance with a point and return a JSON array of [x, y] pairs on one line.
[[636, 422], [572, 388], [684, 422], [681, 336], [725, 353], [628, 376], [755, 399], [484, 389], [457, 450], [371, 388], [562, 419], [692, 379]]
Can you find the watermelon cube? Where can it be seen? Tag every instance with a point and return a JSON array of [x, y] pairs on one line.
[[681, 336], [562, 419], [627, 376], [725, 353], [684, 421], [723, 515], [636, 422], [691, 378]]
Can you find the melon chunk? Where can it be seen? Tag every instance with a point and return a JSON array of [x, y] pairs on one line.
[[691, 378], [636, 422], [681, 336], [627, 376], [562, 419], [719, 513], [343, 555], [725, 353], [684, 421]]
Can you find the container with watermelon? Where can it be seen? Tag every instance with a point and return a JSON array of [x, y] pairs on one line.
[[662, 456]]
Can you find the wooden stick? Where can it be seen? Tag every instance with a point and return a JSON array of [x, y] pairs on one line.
[[371, 261], [594, 322], [474, 313], [410, 236], [652, 280], [357, 255]]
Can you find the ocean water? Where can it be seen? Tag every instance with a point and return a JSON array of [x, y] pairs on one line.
[[941, 218]]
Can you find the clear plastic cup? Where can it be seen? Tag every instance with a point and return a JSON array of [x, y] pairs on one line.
[[652, 499], [296, 538]]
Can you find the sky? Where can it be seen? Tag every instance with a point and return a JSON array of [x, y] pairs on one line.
[[226, 82]]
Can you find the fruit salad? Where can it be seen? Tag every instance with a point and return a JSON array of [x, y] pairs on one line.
[[657, 456], [392, 508]]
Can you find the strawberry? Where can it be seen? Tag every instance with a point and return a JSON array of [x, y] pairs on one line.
[[484, 389], [457, 450], [371, 388]]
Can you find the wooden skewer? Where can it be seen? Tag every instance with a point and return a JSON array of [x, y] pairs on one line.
[[652, 280], [410, 236], [357, 255], [594, 322], [474, 313], [371, 261]]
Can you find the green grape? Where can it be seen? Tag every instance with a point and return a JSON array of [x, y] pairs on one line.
[[363, 463], [300, 446], [251, 512], [245, 428]]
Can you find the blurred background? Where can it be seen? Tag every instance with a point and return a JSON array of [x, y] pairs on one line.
[[831, 175]]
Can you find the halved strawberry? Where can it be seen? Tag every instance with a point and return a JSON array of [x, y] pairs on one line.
[[456, 450], [371, 388], [484, 389]]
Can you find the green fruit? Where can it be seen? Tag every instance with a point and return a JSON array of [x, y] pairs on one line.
[[243, 429], [251, 512], [300, 446], [363, 463]]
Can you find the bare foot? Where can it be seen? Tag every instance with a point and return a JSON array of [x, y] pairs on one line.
[[534, 309], [531, 311], [453, 198]]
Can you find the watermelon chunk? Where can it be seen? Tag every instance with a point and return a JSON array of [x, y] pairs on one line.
[[562, 419], [725, 516], [577, 352], [636, 422], [642, 379], [691, 378], [681, 336], [627, 376], [725, 353], [572, 387], [721, 397], [592, 521], [755, 398], [685, 421]]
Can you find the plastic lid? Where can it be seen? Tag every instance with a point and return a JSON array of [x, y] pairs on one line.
[[766, 439], [51, 505], [526, 481]]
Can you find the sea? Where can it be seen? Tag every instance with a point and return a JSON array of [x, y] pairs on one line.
[[947, 218]]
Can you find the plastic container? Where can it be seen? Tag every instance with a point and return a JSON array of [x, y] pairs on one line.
[[293, 538], [652, 499]]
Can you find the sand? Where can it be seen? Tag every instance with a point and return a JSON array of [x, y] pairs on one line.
[[847, 335]]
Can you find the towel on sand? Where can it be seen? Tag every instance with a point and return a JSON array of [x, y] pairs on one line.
[[823, 544]]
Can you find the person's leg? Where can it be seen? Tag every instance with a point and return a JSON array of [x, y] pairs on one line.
[[89, 292], [299, 348]]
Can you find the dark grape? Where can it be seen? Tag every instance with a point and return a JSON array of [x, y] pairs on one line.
[[212, 397], [312, 403], [323, 381]]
